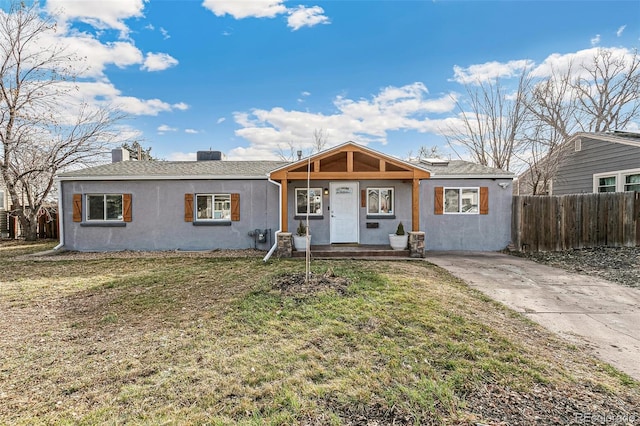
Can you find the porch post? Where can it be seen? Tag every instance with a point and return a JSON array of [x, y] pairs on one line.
[[415, 207], [284, 226]]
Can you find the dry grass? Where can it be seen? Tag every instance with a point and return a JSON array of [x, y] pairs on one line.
[[204, 339]]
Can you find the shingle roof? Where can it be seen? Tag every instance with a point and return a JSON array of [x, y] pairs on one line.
[[178, 169], [461, 168]]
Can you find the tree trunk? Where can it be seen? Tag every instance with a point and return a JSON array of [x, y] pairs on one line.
[[29, 225]]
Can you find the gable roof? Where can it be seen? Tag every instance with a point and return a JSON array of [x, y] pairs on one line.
[[621, 137], [333, 163], [175, 170], [350, 161]]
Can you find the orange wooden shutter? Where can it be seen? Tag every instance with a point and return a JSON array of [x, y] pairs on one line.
[[438, 201], [188, 207], [77, 207], [126, 207], [484, 200], [363, 198], [235, 207]]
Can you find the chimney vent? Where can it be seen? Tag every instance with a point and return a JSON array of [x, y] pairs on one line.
[[119, 154], [209, 155]]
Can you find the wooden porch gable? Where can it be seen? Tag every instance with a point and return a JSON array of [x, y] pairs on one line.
[[351, 162]]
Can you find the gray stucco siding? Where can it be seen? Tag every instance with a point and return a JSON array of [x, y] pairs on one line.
[[479, 232], [158, 216], [575, 173]]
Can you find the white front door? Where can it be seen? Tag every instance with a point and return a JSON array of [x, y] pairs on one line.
[[344, 212]]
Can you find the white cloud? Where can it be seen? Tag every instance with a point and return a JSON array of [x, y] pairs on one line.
[[165, 33], [220, 120], [99, 14], [246, 9], [180, 106], [620, 30], [191, 131], [305, 93], [489, 71], [299, 17], [596, 40], [182, 156], [306, 17], [158, 62], [362, 120], [560, 63], [166, 128]]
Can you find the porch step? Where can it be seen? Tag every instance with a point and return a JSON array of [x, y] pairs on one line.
[[352, 251]]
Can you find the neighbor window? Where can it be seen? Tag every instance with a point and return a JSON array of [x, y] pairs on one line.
[[1, 199], [632, 182], [104, 207], [461, 200], [213, 207], [380, 201], [607, 184]]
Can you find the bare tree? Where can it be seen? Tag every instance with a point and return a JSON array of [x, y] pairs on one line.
[[608, 95], [598, 96], [42, 130], [290, 153], [492, 125]]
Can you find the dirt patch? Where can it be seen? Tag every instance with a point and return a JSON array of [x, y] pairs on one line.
[[617, 264], [296, 284]]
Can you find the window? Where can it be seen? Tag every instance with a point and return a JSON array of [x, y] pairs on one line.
[[380, 201], [1, 199], [607, 184], [617, 181], [104, 207], [632, 182], [213, 207], [310, 199], [461, 200]]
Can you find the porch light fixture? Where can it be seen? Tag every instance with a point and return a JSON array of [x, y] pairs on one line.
[[326, 191]]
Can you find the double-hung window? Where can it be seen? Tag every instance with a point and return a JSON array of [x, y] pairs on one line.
[[213, 206], [632, 182], [309, 200], [617, 181], [607, 184], [380, 201], [461, 200], [104, 207]]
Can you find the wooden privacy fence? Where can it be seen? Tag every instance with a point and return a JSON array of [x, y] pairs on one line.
[[551, 223]]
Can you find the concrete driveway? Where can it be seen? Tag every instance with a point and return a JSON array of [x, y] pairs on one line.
[[588, 311]]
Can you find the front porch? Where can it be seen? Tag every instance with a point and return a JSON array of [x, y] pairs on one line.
[[352, 251]]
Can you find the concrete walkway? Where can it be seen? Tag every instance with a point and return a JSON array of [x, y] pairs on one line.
[[589, 311]]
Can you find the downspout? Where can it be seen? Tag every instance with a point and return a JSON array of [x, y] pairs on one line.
[[60, 218], [275, 244]]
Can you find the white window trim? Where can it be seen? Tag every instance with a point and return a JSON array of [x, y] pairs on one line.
[[295, 196], [620, 176], [104, 201], [213, 210], [392, 210], [460, 188]]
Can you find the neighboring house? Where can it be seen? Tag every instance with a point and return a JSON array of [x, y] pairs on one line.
[[590, 163], [356, 195]]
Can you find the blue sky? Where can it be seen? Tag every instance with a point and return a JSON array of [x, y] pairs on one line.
[[250, 78]]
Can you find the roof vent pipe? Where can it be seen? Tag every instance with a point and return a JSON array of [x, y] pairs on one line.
[[299, 154]]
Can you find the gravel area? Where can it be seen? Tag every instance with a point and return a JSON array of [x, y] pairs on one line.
[[620, 265]]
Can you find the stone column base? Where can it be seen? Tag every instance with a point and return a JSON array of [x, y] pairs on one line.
[[416, 244], [285, 245]]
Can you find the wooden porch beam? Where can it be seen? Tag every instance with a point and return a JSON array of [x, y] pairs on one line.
[[349, 161], [316, 166], [283, 208], [400, 175], [383, 165], [415, 205]]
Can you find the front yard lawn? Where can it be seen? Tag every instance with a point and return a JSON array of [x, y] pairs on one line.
[[199, 338]]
